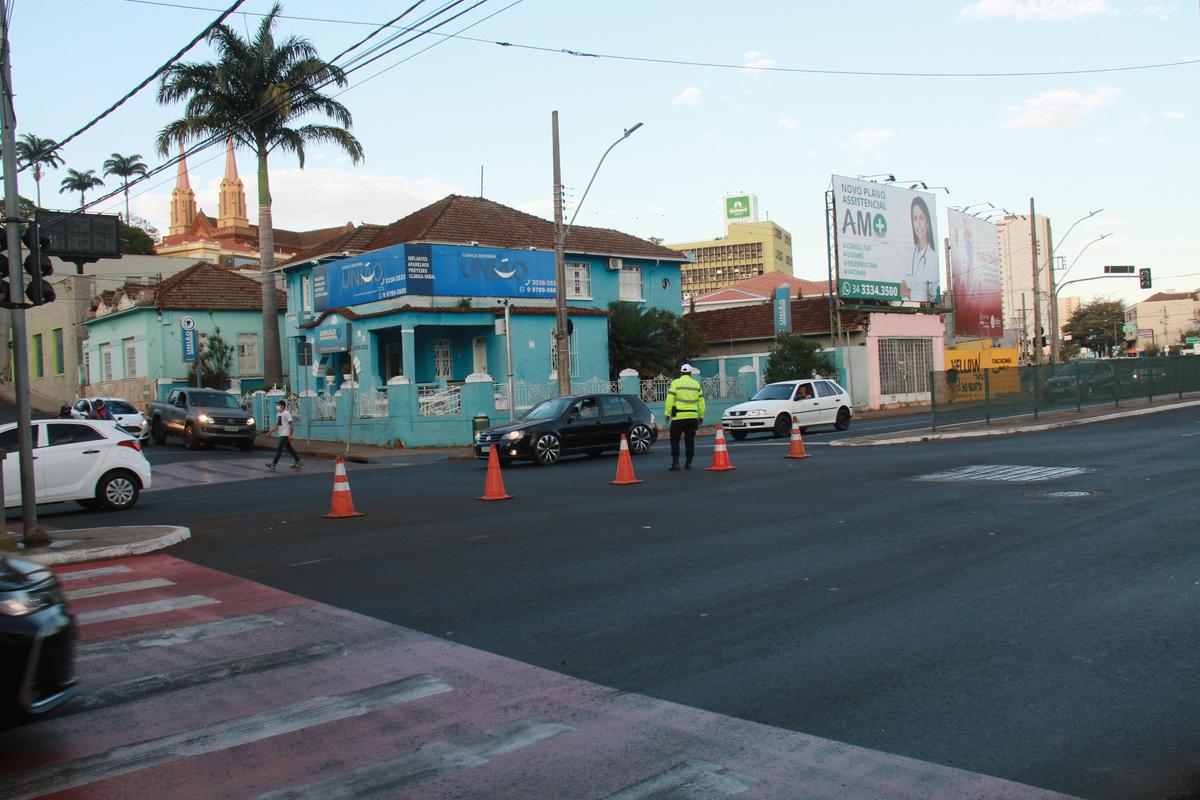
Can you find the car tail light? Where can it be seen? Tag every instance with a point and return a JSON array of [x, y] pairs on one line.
[[132, 444]]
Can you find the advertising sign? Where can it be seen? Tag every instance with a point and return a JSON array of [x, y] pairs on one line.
[[333, 338], [783, 309], [80, 235], [189, 344], [887, 242], [975, 276], [741, 208], [425, 270]]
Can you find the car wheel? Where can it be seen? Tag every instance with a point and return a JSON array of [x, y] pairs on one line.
[[117, 491], [546, 449], [738, 435], [640, 439], [782, 427], [843, 419], [157, 432], [189, 437]]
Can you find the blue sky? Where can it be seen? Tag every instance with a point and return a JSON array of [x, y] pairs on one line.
[[1122, 141]]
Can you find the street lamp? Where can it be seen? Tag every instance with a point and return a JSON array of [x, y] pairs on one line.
[[562, 364], [1054, 332]]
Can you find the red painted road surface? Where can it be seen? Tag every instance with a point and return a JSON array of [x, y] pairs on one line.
[[196, 684]]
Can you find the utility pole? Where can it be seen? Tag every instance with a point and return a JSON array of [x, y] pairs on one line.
[[1037, 303], [562, 364], [32, 535], [1052, 309]]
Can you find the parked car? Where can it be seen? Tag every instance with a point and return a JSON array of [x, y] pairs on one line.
[[1080, 379], [37, 642], [590, 423], [771, 410], [128, 418], [202, 417], [91, 462]]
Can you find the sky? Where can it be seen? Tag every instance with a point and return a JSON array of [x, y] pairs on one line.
[[768, 105]]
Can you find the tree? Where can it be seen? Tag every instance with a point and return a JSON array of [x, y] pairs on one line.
[[253, 92], [636, 341], [1097, 325], [125, 167], [136, 240], [684, 339], [215, 360], [81, 182], [39, 153], [795, 356]]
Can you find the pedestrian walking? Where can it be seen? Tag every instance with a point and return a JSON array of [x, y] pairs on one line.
[[283, 424], [684, 413]]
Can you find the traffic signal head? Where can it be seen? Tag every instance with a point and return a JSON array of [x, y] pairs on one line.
[[38, 266], [1144, 277]]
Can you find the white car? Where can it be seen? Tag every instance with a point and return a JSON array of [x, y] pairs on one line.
[[91, 462], [128, 418], [809, 402]]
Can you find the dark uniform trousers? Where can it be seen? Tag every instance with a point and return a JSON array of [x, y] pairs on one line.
[[687, 429]]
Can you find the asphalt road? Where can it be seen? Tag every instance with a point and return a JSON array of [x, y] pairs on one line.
[[978, 624]]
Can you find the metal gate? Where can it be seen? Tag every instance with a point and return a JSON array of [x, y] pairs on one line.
[[904, 366]]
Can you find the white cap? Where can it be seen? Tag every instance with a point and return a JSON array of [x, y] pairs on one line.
[[687, 369]]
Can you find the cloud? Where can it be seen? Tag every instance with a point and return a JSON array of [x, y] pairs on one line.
[[688, 97], [756, 61], [786, 122], [1172, 115], [1037, 10], [1160, 10], [862, 141], [1058, 108]]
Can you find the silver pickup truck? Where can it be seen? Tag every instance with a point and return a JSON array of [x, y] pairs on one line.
[[203, 417]]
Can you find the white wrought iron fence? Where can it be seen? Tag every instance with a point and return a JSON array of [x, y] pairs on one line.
[[434, 401], [716, 387], [594, 386], [528, 395], [654, 390], [372, 404], [325, 406]]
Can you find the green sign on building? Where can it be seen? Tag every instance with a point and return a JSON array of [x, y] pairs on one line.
[[737, 207]]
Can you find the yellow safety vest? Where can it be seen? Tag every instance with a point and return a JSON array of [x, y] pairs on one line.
[[685, 399]]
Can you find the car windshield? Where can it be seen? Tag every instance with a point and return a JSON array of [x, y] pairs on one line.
[[213, 400], [548, 409], [775, 391], [120, 407]]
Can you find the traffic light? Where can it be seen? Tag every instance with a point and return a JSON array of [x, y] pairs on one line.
[[5, 290], [1144, 277], [38, 266]]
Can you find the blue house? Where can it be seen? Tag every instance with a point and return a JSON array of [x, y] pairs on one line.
[[422, 302]]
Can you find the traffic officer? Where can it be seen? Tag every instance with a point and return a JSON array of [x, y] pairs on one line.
[[684, 412]]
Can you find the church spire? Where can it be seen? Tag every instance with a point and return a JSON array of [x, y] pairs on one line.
[[183, 200], [232, 202]]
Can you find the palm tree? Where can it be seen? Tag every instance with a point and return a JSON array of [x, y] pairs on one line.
[[77, 181], [636, 340], [253, 92], [38, 152], [125, 167]]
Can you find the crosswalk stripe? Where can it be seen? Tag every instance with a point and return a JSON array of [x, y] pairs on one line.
[[217, 736], [144, 609], [431, 760], [1004, 472], [116, 588], [175, 636], [693, 780], [85, 574]]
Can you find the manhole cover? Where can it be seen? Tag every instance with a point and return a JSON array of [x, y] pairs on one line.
[[1068, 494]]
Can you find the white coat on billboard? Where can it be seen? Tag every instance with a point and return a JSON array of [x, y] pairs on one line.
[[975, 276], [886, 242]]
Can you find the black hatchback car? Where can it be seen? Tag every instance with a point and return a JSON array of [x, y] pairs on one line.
[[37, 642], [586, 423]]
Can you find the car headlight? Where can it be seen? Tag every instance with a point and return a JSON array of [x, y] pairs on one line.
[[512, 436], [758, 412], [205, 418], [20, 604], [249, 421]]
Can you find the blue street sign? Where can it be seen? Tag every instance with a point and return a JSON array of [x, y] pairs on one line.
[[189, 344], [783, 309], [333, 338]]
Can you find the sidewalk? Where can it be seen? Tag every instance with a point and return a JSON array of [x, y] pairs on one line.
[[93, 544]]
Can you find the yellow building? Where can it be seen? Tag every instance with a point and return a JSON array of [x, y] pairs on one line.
[[746, 250]]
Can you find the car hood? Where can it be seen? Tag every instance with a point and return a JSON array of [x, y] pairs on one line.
[[772, 406], [219, 411], [17, 574], [513, 426]]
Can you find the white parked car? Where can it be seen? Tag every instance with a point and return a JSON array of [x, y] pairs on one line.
[[809, 402], [92, 462], [128, 418]]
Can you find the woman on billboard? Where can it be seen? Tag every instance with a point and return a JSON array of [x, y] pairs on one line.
[[922, 273]]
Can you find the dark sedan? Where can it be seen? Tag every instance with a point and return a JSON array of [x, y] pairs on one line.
[[590, 423], [37, 642]]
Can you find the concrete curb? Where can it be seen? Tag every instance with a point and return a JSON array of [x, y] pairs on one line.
[[175, 535], [934, 436]]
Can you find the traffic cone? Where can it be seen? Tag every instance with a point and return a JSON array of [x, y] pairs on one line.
[[343, 505], [720, 454], [796, 446], [624, 466], [493, 487]]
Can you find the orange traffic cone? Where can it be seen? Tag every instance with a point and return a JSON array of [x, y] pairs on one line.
[[796, 446], [343, 505], [720, 454], [493, 487], [624, 466]]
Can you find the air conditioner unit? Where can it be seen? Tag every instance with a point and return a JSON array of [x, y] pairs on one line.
[[614, 264]]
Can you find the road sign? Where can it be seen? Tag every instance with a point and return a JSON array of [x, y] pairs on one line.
[[1145, 333], [83, 236], [1193, 340], [189, 344], [187, 323], [1122, 269], [1129, 329]]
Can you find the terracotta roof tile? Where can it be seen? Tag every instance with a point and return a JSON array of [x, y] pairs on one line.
[[810, 316], [530, 311], [763, 286], [1160, 297], [209, 287]]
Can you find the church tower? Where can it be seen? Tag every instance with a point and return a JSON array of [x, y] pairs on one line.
[[232, 204], [183, 200]]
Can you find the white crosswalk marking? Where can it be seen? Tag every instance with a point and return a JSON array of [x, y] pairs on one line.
[[198, 473], [1002, 472], [116, 588], [144, 609], [176, 636], [691, 780], [86, 574]]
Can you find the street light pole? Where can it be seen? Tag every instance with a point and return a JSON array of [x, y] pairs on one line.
[[1055, 331], [562, 363]]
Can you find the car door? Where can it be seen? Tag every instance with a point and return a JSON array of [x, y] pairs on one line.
[[178, 412], [72, 456], [12, 465], [583, 427], [829, 400], [617, 418], [806, 405]]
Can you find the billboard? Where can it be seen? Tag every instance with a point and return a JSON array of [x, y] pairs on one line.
[[887, 242], [741, 208], [975, 276], [433, 269]]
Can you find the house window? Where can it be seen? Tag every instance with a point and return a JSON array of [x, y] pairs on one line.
[[247, 344], [574, 344], [579, 280], [39, 365], [130, 355], [56, 337], [479, 354], [306, 293], [105, 362], [441, 358], [630, 283], [304, 354]]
